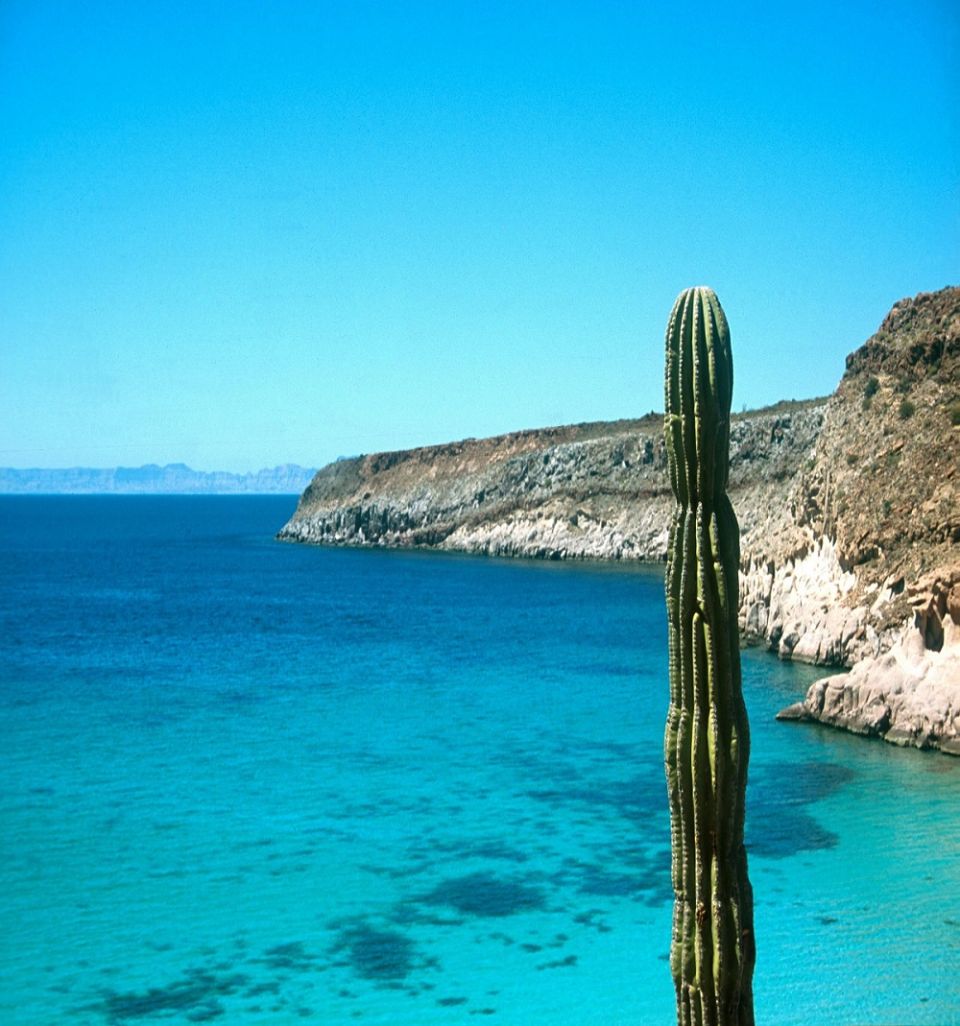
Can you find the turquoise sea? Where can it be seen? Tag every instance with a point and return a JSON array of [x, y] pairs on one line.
[[253, 783]]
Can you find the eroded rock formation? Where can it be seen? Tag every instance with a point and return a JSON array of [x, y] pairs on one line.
[[909, 695]]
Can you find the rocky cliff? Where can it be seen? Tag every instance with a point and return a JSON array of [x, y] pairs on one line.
[[865, 571], [848, 507], [596, 491]]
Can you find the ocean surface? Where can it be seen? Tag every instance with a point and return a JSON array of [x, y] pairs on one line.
[[252, 783]]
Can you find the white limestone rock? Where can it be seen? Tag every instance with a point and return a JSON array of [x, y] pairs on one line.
[[910, 695]]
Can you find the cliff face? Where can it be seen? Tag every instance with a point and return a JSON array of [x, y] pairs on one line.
[[589, 491], [877, 507], [866, 570], [849, 507]]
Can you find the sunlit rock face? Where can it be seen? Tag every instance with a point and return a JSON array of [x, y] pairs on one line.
[[588, 491], [909, 694]]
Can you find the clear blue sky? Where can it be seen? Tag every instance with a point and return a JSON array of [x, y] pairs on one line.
[[237, 234]]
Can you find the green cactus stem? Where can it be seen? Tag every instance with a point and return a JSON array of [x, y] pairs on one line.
[[707, 740]]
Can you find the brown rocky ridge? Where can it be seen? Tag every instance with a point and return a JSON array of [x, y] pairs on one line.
[[883, 489], [597, 491], [848, 509]]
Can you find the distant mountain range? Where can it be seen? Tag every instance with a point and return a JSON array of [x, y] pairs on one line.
[[151, 479]]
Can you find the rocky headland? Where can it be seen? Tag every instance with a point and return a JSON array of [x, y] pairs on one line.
[[848, 508]]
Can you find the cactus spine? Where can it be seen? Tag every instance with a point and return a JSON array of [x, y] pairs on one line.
[[707, 741]]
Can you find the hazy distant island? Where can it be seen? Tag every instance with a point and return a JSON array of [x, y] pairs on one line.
[[151, 479], [849, 509]]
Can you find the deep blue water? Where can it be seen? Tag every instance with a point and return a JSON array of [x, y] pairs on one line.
[[246, 782]]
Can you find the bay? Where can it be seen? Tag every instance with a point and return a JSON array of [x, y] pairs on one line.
[[246, 782]]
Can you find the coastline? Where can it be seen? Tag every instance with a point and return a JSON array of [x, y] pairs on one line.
[[849, 511]]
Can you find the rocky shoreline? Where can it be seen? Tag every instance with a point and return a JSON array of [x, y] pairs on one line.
[[910, 694], [590, 491], [849, 510]]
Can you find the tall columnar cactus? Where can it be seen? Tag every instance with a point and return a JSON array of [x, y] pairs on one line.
[[707, 741]]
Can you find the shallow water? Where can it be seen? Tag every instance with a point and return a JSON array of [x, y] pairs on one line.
[[247, 782]]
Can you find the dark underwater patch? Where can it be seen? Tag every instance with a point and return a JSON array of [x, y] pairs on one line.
[[591, 918], [409, 914], [598, 881], [641, 800], [778, 822], [642, 875], [423, 857], [374, 954], [194, 996], [259, 989], [787, 833], [291, 956], [486, 895], [560, 963]]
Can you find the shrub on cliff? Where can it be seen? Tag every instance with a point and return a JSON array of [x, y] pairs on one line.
[[869, 391]]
